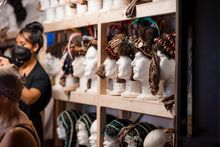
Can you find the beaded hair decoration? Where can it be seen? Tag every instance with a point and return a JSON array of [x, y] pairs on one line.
[[144, 43], [166, 44], [113, 45], [136, 132]]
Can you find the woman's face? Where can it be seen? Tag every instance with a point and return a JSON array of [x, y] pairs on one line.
[[23, 40], [124, 67]]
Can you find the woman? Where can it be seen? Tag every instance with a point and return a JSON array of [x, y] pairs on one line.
[[37, 90], [15, 127]]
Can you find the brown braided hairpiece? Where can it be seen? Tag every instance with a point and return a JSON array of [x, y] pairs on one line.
[[124, 131], [169, 103], [141, 45], [101, 71], [92, 42], [154, 74], [113, 44]]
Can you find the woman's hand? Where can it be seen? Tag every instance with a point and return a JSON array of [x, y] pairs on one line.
[[4, 61]]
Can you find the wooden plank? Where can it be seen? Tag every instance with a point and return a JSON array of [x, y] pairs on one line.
[[101, 123], [83, 98], [112, 15], [102, 42], [59, 94], [147, 107], [156, 8]]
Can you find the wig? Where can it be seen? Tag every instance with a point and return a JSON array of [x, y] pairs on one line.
[[68, 119], [136, 132], [113, 128], [87, 120], [166, 44], [145, 42]]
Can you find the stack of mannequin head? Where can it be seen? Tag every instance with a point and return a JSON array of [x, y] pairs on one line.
[[83, 125], [133, 135], [93, 130], [123, 48], [110, 68], [66, 129], [112, 130]]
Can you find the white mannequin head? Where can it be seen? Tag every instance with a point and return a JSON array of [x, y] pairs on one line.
[[110, 142], [156, 138], [66, 129], [110, 68], [130, 141], [124, 67], [83, 125], [140, 66], [90, 63], [167, 73], [78, 68], [61, 132], [93, 134], [82, 134]]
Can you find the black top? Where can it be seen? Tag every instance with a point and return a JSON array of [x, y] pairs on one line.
[[38, 79]]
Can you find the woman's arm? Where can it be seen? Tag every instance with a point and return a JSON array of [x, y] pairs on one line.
[[30, 96]]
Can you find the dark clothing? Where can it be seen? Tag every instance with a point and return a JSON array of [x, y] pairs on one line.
[[38, 79]]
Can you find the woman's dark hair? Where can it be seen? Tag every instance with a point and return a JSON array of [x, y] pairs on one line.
[[35, 29]]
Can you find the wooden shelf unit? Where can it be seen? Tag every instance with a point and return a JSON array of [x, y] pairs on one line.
[[132, 104], [102, 101], [83, 98], [112, 15]]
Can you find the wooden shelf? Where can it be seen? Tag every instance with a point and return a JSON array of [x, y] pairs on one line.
[[59, 94], [112, 15], [83, 98], [131, 104]]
